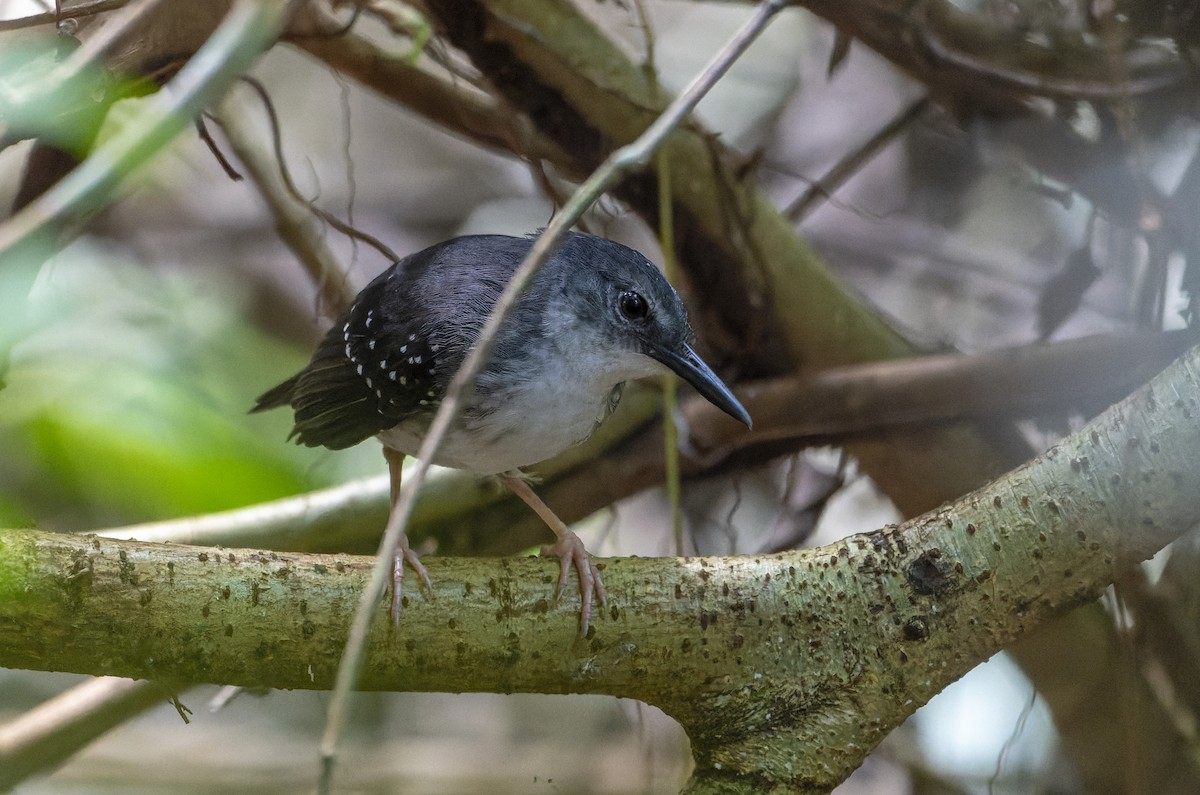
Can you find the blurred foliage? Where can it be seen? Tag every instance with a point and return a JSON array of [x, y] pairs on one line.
[[58, 108], [28, 108], [128, 394]]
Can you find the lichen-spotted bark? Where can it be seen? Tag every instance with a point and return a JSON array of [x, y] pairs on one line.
[[785, 669]]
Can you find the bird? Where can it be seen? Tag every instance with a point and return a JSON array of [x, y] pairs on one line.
[[596, 315]]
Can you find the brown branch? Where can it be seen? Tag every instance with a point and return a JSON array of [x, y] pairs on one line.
[[69, 88], [50, 733], [143, 37], [972, 65], [450, 104], [1034, 380], [465, 516], [964, 58], [852, 163], [1113, 726]]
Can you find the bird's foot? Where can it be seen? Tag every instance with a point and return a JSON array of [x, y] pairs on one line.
[[405, 556], [572, 554]]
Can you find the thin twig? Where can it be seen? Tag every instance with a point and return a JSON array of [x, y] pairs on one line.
[[215, 150], [294, 217], [617, 165], [666, 242], [445, 101], [346, 228], [84, 9], [848, 166]]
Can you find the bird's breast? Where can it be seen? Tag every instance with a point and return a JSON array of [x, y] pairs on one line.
[[511, 428], [538, 404]]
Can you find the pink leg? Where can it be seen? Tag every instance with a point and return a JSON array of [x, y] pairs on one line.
[[404, 555], [569, 549]]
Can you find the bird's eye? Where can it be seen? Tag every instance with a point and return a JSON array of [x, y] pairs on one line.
[[633, 306]]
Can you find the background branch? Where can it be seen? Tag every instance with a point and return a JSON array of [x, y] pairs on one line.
[[465, 515], [49, 734]]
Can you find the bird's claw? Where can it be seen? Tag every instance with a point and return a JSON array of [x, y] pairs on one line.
[[405, 556], [572, 554]]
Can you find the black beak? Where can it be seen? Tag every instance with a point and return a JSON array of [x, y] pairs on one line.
[[691, 368]]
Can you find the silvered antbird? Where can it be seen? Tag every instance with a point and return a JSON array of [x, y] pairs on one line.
[[596, 315]]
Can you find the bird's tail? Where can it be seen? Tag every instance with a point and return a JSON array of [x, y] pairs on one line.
[[276, 397]]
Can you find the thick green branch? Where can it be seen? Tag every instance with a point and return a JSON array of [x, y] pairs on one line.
[[785, 669]]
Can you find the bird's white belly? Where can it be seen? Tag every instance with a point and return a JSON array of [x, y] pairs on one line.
[[518, 433], [534, 419]]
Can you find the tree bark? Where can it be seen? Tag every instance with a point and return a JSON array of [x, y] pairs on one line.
[[784, 669]]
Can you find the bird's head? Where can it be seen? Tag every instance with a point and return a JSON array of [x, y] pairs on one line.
[[620, 296]]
